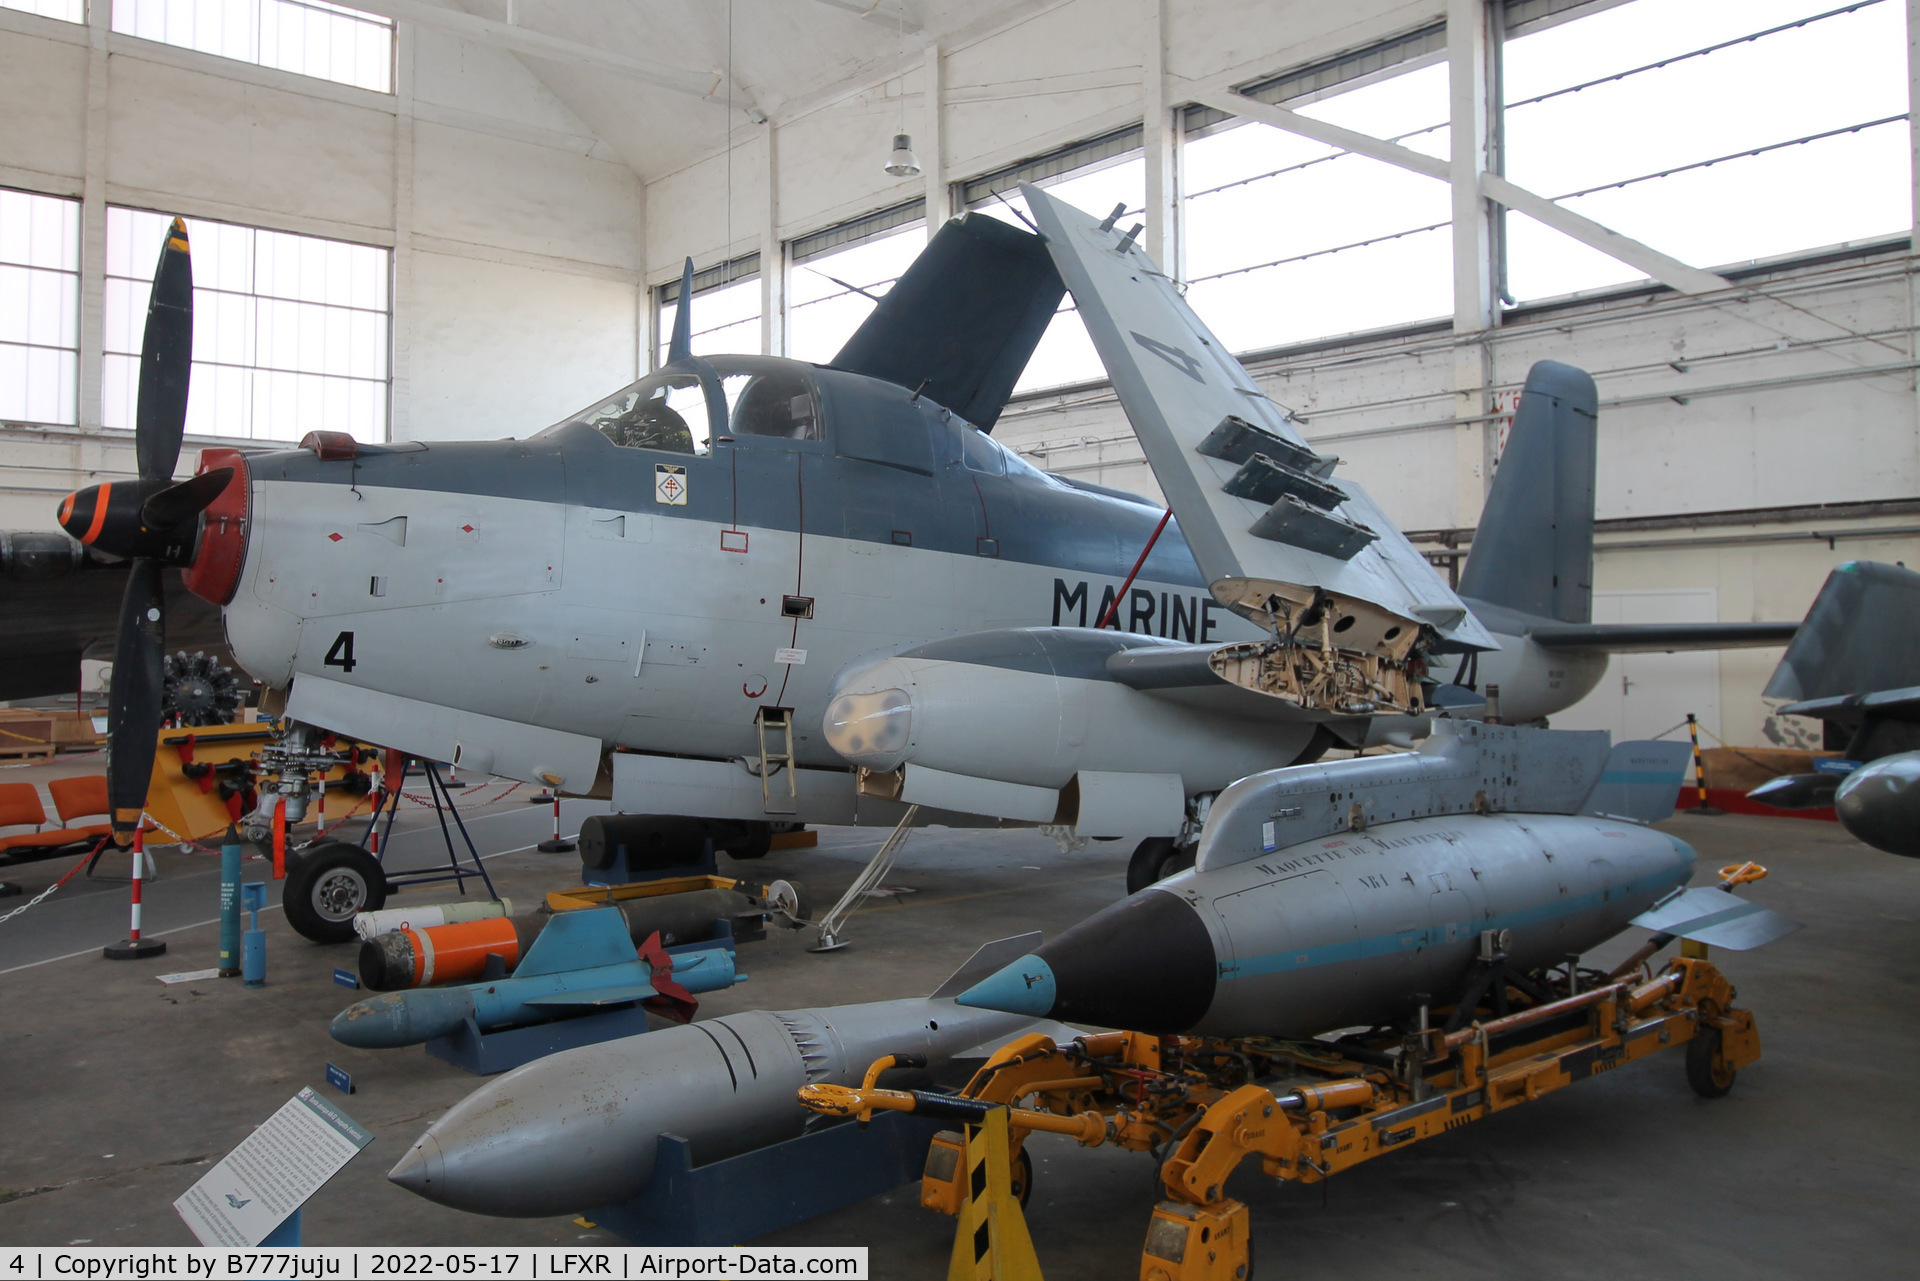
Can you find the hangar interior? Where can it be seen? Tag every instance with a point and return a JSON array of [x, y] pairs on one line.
[[464, 220]]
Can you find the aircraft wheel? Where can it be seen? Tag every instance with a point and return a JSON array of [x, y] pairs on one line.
[[1707, 1072], [1021, 1176], [755, 841], [1155, 859], [327, 886]]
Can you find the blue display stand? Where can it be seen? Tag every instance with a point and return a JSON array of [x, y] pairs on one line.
[[485, 1053], [750, 1195]]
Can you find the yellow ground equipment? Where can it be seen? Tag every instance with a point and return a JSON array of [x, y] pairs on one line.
[[1305, 1109], [199, 771]]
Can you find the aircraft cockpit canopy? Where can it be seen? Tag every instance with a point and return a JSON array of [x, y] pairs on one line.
[[668, 410]]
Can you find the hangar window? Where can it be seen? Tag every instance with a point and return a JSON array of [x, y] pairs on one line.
[[1095, 175], [290, 332], [1289, 239], [39, 307], [837, 274], [1717, 131], [726, 309], [310, 37], [65, 10]]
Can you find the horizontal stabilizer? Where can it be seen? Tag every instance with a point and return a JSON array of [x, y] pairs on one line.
[[963, 321], [1894, 704], [582, 940], [1652, 638], [1641, 781], [1717, 918], [623, 994], [990, 958]]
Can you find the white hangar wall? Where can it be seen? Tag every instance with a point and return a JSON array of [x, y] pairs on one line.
[[516, 234]]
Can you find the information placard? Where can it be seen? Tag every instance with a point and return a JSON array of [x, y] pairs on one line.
[[271, 1174]]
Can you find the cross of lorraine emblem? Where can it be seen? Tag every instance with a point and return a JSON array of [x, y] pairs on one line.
[[670, 484]]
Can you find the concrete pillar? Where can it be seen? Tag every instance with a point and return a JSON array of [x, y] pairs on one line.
[[400, 425], [1161, 143], [773, 256], [932, 148], [1469, 60], [93, 218]]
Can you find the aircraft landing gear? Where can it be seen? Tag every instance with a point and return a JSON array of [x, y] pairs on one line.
[[1155, 859], [327, 885]]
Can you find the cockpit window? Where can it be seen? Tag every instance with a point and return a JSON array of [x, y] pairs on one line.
[[769, 398], [665, 411], [981, 453]]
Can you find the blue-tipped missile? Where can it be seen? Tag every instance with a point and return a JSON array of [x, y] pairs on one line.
[[1268, 936], [581, 961]]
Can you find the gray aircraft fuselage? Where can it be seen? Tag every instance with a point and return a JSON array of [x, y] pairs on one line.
[[655, 600]]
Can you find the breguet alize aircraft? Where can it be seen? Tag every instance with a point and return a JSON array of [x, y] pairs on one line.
[[750, 590]]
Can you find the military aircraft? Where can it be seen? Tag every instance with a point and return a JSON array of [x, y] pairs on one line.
[[1853, 667], [747, 589]]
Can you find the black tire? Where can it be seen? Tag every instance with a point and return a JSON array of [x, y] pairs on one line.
[[327, 886], [1021, 1176], [1155, 859], [753, 842], [1706, 1072]]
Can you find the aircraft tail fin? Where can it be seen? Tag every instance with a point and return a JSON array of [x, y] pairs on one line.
[[1641, 782], [990, 958], [1533, 550], [964, 319], [1862, 634]]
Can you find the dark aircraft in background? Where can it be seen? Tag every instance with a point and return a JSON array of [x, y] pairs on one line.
[[1855, 666]]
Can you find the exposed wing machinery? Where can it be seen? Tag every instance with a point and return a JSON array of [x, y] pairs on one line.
[[1351, 604]]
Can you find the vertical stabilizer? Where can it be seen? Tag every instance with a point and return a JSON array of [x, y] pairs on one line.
[[1533, 550]]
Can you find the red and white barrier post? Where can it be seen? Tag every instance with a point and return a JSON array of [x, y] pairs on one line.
[[136, 948], [556, 845]]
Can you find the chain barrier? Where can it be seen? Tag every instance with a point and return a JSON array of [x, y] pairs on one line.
[[43, 894]]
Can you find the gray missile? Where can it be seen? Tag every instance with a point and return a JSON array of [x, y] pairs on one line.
[[1344, 928], [1880, 803], [578, 1129]]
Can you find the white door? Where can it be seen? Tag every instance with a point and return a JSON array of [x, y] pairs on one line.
[[1645, 695]]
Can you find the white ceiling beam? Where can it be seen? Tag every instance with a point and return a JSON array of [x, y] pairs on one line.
[[1641, 257], [894, 15], [530, 43], [1645, 258]]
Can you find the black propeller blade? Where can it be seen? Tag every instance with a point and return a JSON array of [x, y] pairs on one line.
[[179, 504], [133, 703], [166, 360], [160, 423]]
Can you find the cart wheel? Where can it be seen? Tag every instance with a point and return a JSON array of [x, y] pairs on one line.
[[753, 842], [790, 898], [1021, 1176], [1707, 1072], [327, 886], [1246, 1273], [1155, 859]]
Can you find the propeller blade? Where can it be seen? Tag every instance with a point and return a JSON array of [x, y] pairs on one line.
[[682, 345], [133, 706], [181, 503], [166, 360]]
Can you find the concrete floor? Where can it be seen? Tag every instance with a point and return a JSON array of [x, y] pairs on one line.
[[119, 1090]]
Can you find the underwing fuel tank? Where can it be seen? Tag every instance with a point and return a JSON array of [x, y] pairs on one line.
[[1038, 705], [1345, 927], [577, 1130]]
